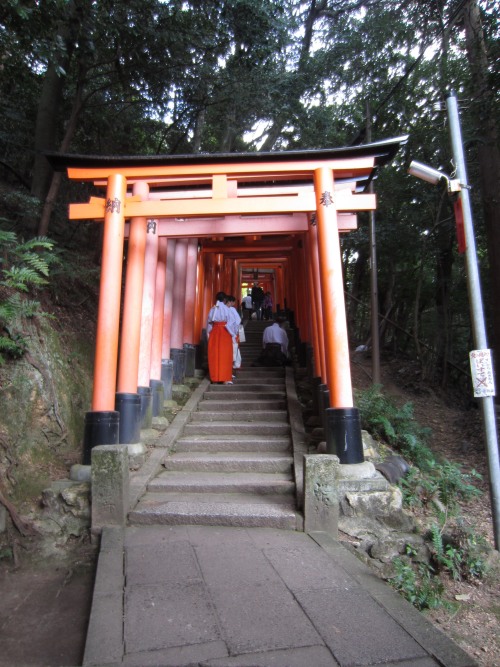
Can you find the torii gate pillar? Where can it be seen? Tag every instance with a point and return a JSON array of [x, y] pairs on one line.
[[343, 427], [102, 422]]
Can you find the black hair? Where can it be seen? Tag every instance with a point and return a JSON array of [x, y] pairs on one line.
[[220, 296]]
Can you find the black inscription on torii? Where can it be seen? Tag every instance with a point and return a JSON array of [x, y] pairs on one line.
[[326, 198], [113, 205], [151, 226]]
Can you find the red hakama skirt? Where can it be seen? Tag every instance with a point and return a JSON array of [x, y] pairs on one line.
[[220, 353]]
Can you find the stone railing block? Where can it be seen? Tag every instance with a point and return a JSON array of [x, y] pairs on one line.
[[110, 486], [321, 501]]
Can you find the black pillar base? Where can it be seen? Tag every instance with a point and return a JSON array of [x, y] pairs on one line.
[[146, 395], [343, 434], [189, 359], [315, 382], [129, 407], [309, 360], [319, 398], [325, 405], [101, 428], [201, 354], [167, 377], [179, 359], [157, 397]]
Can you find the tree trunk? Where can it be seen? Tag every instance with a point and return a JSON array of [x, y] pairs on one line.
[[358, 280], [50, 200], [48, 117], [482, 110], [47, 122]]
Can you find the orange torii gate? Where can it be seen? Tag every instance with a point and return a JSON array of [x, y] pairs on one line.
[[192, 221]]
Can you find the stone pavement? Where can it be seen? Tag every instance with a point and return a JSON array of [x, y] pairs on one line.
[[209, 596]]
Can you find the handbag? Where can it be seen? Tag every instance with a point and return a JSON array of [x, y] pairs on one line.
[[237, 359], [241, 333]]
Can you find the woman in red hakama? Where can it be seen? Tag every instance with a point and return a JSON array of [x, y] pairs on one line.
[[220, 342]]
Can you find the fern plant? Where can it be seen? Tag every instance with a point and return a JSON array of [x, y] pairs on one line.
[[439, 481], [417, 583], [24, 267]]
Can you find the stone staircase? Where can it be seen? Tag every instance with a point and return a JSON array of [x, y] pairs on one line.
[[233, 464]]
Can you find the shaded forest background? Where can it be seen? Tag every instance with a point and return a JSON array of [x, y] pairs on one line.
[[164, 77], [146, 77]]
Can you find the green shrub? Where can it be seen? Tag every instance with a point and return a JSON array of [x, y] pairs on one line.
[[434, 479], [417, 582], [461, 553], [24, 267]]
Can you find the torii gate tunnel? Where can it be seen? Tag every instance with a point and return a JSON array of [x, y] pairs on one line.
[[200, 224]]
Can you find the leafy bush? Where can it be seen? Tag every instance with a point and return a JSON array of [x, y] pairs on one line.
[[462, 553], [434, 479], [24, 267], [417, 583], [436, 483]]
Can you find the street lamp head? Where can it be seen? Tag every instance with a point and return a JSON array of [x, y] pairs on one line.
[[427, 173]]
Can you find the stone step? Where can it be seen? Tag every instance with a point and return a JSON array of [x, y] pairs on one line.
[[247, 406], [222, 482], [234, 394], [243, 414], [248, 387], [248, 379], [228, 443], [216, 510], [236, 428], [263, 462], [261, 372]]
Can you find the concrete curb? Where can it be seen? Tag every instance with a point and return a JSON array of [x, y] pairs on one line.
[[104, 644], [299, 443], [164, 444]]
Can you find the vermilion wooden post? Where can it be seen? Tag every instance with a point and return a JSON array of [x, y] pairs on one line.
[[103, 421], [209, 286], [314, 259], [167, 365], [313, 314], [189, 307], [342, 422], [219, 273], [288, 289], [158, 313], [108, 316], [169, 296], [190, 301], [128, 369], [280, 290], [127, 401], [332, 291], [148, 302], [301, 293], [177, 329], [200, 282], [155, 381]]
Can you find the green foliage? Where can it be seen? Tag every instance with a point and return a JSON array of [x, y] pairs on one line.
[[437, 484], [417, 582], [462, 553], [462, 556], [431, 479], [24, 267]]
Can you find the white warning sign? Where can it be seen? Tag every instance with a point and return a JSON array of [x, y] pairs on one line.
[[481, 367]]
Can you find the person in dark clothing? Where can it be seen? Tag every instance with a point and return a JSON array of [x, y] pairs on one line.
[[257, 299], [267, 306]]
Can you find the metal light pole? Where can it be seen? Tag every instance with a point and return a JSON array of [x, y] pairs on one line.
[[476, 311], [373, 274]]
